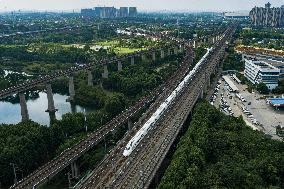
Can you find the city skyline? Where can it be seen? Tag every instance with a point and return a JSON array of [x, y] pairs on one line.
[[144, 5]]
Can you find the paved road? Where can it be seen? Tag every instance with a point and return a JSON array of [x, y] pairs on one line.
[[267, 116]]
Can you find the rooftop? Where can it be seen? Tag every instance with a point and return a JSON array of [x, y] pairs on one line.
[[276, 101], [230, 83], [262, 64]]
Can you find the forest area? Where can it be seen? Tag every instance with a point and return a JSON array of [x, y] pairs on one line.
[[220, 151], [30, 144]]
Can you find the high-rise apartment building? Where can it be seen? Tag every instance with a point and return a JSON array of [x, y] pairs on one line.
[[132, 11], [267, 16], [123, 12], [110, 12]]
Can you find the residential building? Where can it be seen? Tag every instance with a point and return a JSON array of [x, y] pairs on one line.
[[267, 16], [132, 11], [261, 72], [123, 12], [88, 12], [110, 12]]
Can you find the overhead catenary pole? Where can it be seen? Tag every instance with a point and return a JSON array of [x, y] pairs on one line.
[[15, 174]]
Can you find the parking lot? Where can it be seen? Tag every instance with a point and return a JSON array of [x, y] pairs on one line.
[[256, 113]]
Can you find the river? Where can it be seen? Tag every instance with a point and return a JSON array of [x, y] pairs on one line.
[[11, 113]]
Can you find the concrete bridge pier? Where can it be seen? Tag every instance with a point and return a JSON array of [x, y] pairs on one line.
[[200, 42], [132, 60], [52, 117], [130, 124], [90, 78], [189, 44], [105, 74], [24, 108], [162, 54], [181, 48], [74, 170], [197, 44], [201, 95], [169, 52], [119, 66], [175, 50], [51, 107], [154, 56], [71, 89], [143, 57], [209, 80], [194, 44], [213, 40]]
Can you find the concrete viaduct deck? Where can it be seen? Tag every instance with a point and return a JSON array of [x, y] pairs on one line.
[[139, 169]]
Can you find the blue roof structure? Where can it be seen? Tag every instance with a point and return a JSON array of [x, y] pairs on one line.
[[276, 101]]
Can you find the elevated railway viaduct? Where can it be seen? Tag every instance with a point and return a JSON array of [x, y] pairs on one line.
[[139, 169], [69, 157]]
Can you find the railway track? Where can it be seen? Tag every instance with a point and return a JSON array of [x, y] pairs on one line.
[[137, 170], [150, 151], [106, 167], [47, 171], [112, 163], [148, 156], [22, 87], [114, 173]]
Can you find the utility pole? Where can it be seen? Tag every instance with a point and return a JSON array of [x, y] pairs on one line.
[[105, 145], [15, 174], [69, 179]]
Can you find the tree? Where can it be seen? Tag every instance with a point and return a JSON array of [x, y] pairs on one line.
[[220, 151], [262, 88], [72, 123], [115, 104], [280, 88]]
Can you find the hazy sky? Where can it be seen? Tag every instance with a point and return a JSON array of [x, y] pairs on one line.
[[193, 5]]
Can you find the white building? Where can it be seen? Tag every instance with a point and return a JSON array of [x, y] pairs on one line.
[[276, 61], [262, 72]]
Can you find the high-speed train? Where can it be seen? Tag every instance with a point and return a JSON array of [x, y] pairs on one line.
[[133, 143]]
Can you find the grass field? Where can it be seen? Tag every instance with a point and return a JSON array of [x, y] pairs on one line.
[[108, 43], [124, 50]]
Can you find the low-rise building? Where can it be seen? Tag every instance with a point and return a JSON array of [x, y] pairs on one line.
[[276, 102], [261, 72], [230, 83], [239, 14]]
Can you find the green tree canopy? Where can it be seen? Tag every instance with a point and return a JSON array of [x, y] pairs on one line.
[[220, 151]]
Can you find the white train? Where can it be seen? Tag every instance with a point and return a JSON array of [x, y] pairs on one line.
[[133, 143]]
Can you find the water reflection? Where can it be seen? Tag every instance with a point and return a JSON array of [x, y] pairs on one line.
[[11, 113]]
